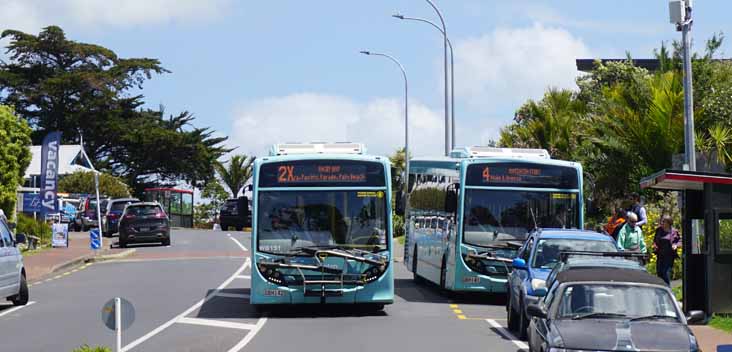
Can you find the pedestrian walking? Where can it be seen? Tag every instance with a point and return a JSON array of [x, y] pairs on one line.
[[665, 242], [639, 210], [615, 223], [630, 237]]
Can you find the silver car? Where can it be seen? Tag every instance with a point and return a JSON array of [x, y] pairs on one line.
[[13, 284]]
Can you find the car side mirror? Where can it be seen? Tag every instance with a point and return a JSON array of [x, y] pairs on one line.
[[20, 238], [519, 263], [540, 292], [695, 316], [12, 225], [535, 310]]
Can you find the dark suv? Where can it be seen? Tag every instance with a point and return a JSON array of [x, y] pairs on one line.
[[235, 213], [144, 222], [111, 218]]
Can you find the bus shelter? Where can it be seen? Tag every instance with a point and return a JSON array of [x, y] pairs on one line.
[[707, 236], [178, 204]]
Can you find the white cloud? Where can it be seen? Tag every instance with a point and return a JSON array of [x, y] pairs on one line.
[[500, 70], [317, 117], [32, 15]]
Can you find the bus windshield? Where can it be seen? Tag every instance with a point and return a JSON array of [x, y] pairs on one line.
[[492, 216], [288, 220]]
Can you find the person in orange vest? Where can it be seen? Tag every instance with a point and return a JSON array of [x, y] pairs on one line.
[[615, 222]]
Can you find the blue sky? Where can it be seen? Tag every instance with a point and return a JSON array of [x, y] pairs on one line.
[[267, 71]]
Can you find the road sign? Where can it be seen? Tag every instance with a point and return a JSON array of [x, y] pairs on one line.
[[95, 241], [127, 314]]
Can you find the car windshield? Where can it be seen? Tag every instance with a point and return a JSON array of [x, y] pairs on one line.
[[292, 219], [143, 210], [601, 300], [119, 206], [492, 216], [547, 250]]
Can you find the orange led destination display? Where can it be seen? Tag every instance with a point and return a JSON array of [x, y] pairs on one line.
[[323, 173], [522, 175]]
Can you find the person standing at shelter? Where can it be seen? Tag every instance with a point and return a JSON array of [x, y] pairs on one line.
[[630, 237], [665, 242], [638, 209], [615, 223]]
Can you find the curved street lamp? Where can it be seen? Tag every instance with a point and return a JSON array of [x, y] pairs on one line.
[[452, 72], [447, 119], [406, 121]]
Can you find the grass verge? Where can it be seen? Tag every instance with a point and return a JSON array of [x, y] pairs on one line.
[[722, 322]]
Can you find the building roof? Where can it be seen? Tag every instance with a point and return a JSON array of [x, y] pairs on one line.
[[610, 275], [67, 155]]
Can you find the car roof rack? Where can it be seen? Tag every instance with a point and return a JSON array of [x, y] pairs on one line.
[[564, 256]]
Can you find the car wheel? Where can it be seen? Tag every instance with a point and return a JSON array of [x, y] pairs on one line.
[[21, 298], [122, 243], [224, 227], [511, 316], [166, 242], [239, 228], [523, 325]]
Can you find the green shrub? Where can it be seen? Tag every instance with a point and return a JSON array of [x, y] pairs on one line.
[[398, 224], [87, 348], [33, 227]]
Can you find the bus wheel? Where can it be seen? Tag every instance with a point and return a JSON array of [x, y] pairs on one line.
[[443, 272], [418, 279]]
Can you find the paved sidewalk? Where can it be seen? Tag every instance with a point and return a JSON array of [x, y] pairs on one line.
[[42, 264], [710, 338]]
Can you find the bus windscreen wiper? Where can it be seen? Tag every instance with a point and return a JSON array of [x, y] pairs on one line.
[[287, 265], [335, 251]]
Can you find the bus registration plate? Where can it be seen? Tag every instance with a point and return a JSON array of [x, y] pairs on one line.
[[471, 280], [274, 293]]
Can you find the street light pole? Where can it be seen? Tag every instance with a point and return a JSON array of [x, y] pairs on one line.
[[447, 109], [406, 124], [681, 16], [452, 72]]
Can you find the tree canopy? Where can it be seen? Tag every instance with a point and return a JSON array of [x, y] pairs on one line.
[[625, 122], [55, 83], [15, 156], [235, 173], [83, 182]]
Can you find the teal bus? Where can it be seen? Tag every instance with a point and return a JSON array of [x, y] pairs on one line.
[[321, 226], [467, 214]]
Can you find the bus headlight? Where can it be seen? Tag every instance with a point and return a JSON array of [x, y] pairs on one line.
[[373, 273], [272, 274]]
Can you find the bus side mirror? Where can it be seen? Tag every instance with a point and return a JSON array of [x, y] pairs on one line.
[[695, 316], [451, 198]]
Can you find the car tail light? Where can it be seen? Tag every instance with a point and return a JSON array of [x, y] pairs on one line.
[[129, 216], [112, 216], [160, 215]]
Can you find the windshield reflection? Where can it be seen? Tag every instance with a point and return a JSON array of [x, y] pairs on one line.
[[288, 220], [616, 300]]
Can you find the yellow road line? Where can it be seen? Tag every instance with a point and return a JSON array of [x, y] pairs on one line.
[[453, 306], [461, 317], [457, 311]]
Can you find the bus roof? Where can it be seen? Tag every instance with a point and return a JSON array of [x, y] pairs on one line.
[[492, 152], [317, 148]]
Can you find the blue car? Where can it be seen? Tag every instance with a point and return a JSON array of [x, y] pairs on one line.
[[536, 259]]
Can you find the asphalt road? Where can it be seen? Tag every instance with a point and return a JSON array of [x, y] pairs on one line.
[[192, 296]]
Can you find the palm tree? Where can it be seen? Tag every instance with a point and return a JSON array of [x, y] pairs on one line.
[[236, 173]]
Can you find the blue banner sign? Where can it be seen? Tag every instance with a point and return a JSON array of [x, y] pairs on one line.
[[49, 172], [31, 202]]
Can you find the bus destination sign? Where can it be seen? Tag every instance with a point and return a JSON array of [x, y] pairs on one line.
[[322, 173], [521, 175]]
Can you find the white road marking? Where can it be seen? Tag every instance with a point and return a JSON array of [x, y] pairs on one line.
[[244, 277], [16, 308], [170, 322], [239, 243], [250, 335], [216, 323], [181, 318], [507, 334], [231, 295]]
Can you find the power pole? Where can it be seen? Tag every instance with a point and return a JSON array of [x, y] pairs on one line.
[[681, 16]]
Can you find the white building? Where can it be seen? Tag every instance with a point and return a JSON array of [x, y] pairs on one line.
[[67, 158]]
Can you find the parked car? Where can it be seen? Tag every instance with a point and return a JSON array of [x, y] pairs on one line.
[[111, 217], [609, 309], [144, 222], [235, 213], [13, 284], [534, 262], [86, 215]]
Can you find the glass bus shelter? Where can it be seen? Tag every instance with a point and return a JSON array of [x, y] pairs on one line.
[[178, 204]]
